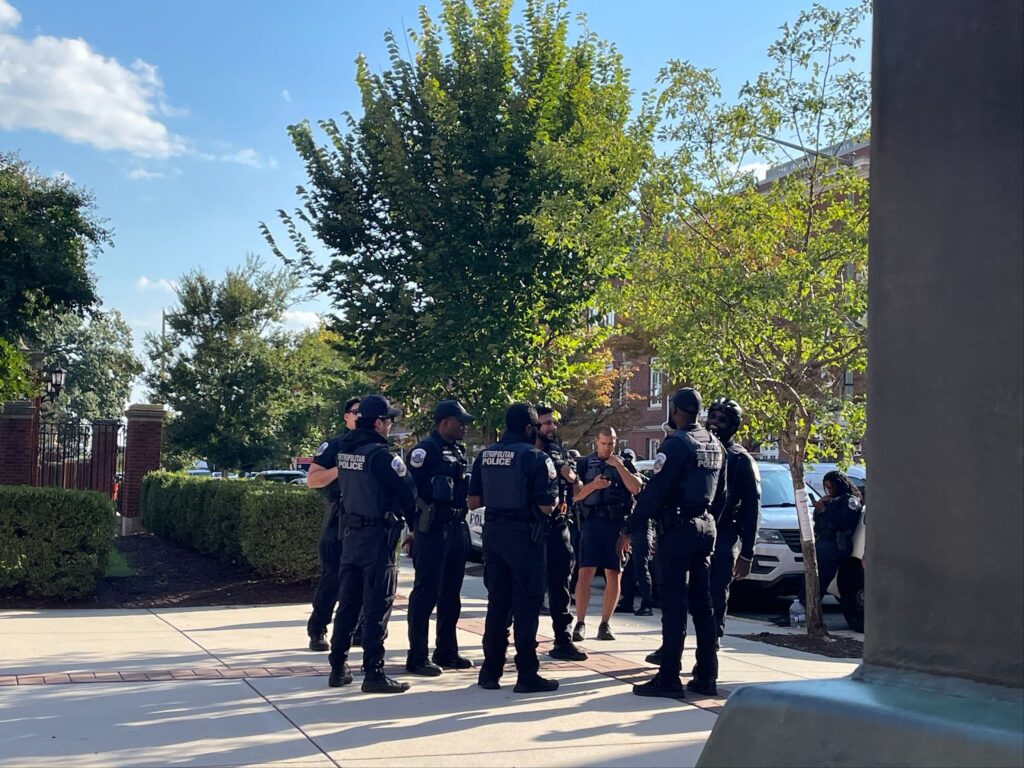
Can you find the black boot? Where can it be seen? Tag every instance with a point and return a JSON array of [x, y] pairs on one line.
[[706, 687], [567, 651], [671, 689], [340, 677], [535, 684], [453, 662], [423, 668], [644, 610], [376, 681], [654, 658], [319, 642]]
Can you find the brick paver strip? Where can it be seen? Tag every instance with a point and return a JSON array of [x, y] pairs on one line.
[[604, 663]]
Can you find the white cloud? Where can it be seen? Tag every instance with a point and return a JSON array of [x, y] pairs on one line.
[[757, 170], [284, 94], [161, 283], [9, 16], [141, 174], [63, 86], [249, 157], [300, 320]]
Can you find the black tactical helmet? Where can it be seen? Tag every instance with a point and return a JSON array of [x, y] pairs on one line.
[[731, 409]]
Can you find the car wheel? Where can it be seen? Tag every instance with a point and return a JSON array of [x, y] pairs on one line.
[[851, 594]]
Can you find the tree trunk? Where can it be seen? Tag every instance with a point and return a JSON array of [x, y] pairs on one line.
[[812, 601]]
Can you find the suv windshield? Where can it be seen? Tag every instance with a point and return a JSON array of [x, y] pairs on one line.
[[777, 489]]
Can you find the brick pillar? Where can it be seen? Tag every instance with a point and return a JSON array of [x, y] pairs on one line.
[[17, 443], [141, 455], [103, 462]]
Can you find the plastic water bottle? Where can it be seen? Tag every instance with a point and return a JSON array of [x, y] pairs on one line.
[[797, 615]]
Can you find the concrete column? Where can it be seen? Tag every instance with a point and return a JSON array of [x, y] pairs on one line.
[[17, 442], [142, 455], [943, 670]]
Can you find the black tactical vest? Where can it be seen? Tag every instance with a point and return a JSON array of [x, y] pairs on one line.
[[615, 495], [697, 488], [448, 483], [503, 477], [362, 493]]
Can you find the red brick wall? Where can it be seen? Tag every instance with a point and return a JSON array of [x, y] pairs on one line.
[[141, 453], [17, 443]]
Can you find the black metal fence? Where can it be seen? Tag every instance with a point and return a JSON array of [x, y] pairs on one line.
[[81, 457]]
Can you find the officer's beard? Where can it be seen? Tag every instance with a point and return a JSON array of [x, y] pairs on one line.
[[725, 435], [546, 439]]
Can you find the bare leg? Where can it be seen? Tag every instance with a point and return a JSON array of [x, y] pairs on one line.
[[612, 587], [583, 592]]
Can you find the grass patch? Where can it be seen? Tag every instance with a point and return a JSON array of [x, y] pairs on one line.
[[118, 566]]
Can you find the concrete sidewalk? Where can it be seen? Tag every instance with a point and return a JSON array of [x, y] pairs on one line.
[[235, 686]]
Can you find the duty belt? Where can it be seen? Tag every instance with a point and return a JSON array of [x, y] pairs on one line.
[[355, 522], [518, 515], [603, 512]]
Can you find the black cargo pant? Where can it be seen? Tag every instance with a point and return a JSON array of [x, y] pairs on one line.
[[636, 576], [560, 562], [326, 594], [514, 577], [439, 557], [367, 581], [830, 557], [722, 565], [684, 555]]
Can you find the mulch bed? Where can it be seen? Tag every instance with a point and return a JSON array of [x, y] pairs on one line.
[[833, 646], [173, 575]]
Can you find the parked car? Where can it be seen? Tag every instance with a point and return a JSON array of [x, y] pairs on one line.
[[778, 566], [299, 481], [280, 475]]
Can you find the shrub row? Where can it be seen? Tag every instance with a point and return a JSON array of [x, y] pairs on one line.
[[53, 542], [272, 527]]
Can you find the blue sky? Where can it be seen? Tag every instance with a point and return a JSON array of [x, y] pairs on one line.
[[174, 113]]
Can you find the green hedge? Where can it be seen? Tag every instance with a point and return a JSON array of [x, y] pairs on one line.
[[273, 527], [54, 543]]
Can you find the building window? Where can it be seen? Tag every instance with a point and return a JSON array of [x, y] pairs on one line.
[[848, 385], [653, 444], [655, 384]]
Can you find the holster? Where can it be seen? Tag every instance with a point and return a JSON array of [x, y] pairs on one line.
[[426, 516], [539, 527]]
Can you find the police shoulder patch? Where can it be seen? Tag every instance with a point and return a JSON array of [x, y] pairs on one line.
[[853, 503], [417, 457], [552, 473], [659, 462], [399, 466], [321, 449]]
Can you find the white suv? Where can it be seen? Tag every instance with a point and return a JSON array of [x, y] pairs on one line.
[[778, 565]]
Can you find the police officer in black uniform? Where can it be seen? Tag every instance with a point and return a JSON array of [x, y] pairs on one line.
[[373, 486], [687, 477], [518, 485], [636, 574], [836, 517], [323, 473], [741, 512], [440, 540], [560, 556]]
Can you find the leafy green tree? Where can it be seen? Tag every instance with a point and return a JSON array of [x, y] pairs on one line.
[[49, 234], [99, 360], [477, 209], [244, 392], [758, 291]]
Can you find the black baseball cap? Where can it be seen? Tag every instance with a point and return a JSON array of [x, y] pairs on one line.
[[687, 399], [454, 408], [377, 407]]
